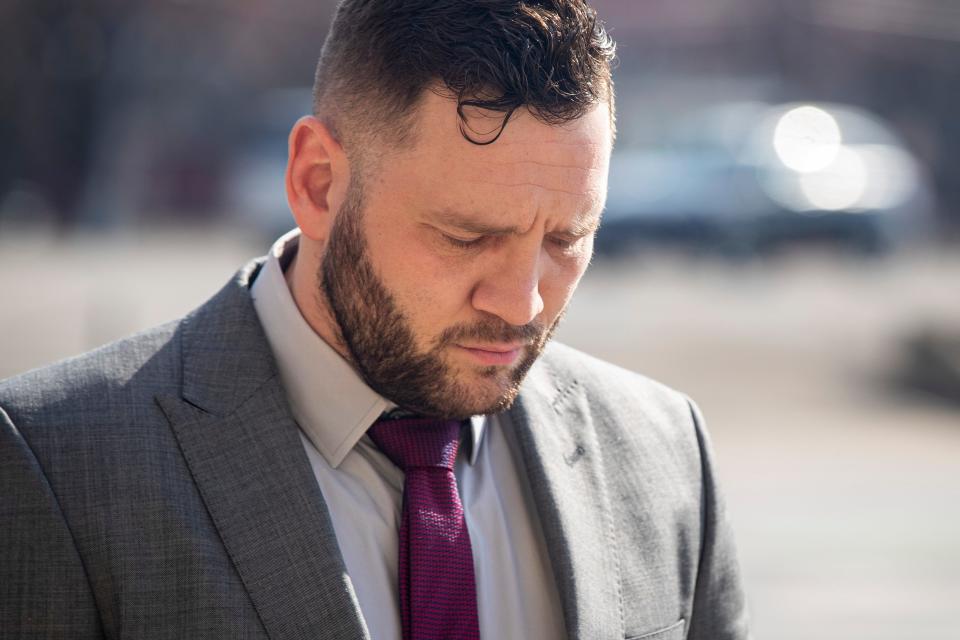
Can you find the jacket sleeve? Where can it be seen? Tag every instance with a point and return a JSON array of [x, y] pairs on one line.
[[44, 591], [719, 607]]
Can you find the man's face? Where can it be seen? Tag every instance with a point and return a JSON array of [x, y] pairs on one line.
[[449, 266]]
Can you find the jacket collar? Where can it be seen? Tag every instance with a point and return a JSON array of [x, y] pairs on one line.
[[556, 436], [225, 354], [244, 452]]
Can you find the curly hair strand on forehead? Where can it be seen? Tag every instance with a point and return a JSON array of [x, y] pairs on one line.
[[552, 57]]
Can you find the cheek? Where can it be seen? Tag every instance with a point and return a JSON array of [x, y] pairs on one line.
[[430, 293], [559, 282]]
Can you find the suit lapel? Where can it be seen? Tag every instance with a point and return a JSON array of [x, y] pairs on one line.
[[556, 438], [243, 449]]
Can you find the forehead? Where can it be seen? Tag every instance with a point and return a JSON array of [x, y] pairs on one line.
[[532, 167]]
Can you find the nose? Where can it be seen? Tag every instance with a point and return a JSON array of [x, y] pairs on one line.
[[510, 289]]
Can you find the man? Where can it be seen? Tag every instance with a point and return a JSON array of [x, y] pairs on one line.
[[257, 469]]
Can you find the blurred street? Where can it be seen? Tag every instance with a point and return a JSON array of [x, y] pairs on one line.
[[842, 487]]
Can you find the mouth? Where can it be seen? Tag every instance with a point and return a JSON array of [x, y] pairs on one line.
[[493, 354]]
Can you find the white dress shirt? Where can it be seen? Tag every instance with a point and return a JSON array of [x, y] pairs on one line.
[[516, 592]]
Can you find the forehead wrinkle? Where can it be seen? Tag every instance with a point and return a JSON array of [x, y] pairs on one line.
[[584, 222], [537, 163], [555, 154], [585, 150], [575, 181], [581, 142], [535, 185]]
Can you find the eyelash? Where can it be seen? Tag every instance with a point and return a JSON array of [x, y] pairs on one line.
[[464, 244], [561, 243]]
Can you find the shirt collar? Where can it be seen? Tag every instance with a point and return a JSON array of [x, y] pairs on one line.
[[330, 401]]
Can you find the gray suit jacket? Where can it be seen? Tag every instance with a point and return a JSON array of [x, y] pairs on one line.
[[157, 488]]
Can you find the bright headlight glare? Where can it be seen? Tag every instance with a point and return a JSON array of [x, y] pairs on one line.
[[807, 139]]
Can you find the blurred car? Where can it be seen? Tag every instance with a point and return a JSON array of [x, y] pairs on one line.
[[747, 178]]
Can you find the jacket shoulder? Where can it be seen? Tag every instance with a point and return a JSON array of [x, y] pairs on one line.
[[113, 378]]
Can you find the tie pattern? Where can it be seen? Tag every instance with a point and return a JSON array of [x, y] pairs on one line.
[[438, 596]]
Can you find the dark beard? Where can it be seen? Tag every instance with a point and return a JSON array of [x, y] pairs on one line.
[[381, 344]]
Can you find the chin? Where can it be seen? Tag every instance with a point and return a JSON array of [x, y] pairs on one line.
[[492, 389]]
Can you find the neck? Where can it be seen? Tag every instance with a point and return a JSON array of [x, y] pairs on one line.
[[303, 280]]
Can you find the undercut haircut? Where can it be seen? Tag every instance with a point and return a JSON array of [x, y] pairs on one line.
[[552, 57]]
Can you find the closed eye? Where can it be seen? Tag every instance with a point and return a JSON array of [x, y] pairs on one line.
[[464, 243], [568, 242]]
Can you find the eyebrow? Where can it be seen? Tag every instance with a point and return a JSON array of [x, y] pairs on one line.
[[471, 224]]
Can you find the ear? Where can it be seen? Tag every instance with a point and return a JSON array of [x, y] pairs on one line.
[[317, 177]]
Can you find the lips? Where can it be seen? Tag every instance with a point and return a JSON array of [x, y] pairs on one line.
[[494, 354]]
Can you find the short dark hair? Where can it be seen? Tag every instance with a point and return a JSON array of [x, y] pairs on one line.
[[553, 57]]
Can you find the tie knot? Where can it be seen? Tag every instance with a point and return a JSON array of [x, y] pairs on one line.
[[418, 442]]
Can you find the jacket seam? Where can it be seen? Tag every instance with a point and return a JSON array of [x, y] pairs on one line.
[[704, 502], [60, 512]]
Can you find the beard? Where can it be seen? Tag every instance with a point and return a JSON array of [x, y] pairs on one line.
[[382, 346]]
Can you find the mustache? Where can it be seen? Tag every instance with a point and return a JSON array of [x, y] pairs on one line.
[[492, 331]]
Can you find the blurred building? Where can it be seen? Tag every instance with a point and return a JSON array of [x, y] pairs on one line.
[[118, 113]]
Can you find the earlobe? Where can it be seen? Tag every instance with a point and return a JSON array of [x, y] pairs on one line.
[[316, 178]]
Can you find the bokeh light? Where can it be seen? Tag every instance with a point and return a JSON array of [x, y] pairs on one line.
[[838, 186], [807, 139]]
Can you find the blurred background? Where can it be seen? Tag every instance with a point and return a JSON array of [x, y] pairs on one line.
[[780, 242]]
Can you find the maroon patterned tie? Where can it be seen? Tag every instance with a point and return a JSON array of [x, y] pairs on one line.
[[438, 595]]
